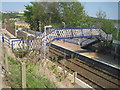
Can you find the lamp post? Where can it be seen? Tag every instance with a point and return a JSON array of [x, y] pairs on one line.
[[49, 26], [64, 27], [39, 26], [63, 24]]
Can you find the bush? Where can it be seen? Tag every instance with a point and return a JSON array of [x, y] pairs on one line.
[[31, 69], [20, 52], [52, 67], [11, 60], [55, 58], [14, 77]]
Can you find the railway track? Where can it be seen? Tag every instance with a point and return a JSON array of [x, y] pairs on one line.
[[89, 74], [89, 65], [10, 29]]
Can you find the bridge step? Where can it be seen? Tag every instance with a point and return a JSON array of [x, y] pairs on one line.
[[89, 42]]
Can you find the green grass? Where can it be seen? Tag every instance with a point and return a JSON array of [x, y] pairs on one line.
[[35, 81], [32, 80], [38, 82], [14, 69], [52, 67]]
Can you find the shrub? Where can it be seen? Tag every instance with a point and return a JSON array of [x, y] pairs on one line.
[[55, 58], [20, 52]]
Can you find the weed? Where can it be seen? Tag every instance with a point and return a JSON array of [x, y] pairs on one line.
[[53, 67]]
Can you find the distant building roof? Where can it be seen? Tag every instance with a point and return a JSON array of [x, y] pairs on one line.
[[22, 24], [19, 15], [21, 12]]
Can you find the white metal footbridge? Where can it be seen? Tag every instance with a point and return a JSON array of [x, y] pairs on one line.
[[43, 40]]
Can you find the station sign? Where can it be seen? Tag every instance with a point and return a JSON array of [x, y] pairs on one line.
[[116, 42]]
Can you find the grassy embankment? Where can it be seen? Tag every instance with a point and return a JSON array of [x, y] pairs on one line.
[[33, 80]]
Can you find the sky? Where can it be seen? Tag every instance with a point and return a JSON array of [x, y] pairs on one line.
[[91, 8], [111, 8]]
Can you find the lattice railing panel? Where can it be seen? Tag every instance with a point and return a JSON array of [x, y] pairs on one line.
[[44, 40], [71, 33]]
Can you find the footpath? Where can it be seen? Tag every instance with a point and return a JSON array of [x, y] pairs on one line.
[[2, 82]]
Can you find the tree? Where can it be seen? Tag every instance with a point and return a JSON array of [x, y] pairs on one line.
[[103, 23], [38, 15], [73, 14], [28, 13], [43, 13], [101, 14], [54, 13]]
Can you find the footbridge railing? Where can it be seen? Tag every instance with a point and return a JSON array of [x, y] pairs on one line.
[[65, 33]]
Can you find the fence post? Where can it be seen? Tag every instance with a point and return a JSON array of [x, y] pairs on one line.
[[23, 75], [0, 77], [74, 76], [2, 39], [1, 58], [6, 60], [12, 45]]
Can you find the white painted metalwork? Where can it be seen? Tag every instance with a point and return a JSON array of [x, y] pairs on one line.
[[44, 39]]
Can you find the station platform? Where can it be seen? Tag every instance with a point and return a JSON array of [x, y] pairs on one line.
[[109, 60]]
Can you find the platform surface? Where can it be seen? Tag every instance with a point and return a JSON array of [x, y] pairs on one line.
[[101, 58]]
